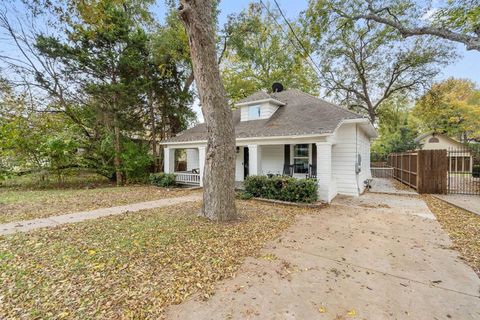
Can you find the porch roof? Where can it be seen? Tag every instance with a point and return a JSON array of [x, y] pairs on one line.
[[302, 114]]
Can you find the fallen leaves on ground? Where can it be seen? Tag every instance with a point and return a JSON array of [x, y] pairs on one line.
[[400, 186], [16, 205], [131, 265], [463, 228]]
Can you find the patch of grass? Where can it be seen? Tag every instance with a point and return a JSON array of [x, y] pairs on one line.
[[16, 205], [71, 178], [132, 265], [463, 228]]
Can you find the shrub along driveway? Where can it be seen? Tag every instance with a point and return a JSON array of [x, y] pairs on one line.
[[374, 257]]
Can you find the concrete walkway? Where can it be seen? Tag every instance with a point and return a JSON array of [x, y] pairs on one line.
[[387, 186], [27, 225], [468, 202], [374, 257]]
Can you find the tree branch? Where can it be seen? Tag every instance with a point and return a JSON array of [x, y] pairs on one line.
[[471, 42]]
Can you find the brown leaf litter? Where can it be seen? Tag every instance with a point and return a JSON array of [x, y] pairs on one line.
[[462, 226], [131, 265]]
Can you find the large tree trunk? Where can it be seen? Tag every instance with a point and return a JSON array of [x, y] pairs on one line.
[[117, 161], [153, 125], [219, 173]]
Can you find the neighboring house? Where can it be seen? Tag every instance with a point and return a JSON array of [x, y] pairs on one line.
[[288, 133], [459, 157]]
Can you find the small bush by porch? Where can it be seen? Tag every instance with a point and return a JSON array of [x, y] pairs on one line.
[[281, 188]]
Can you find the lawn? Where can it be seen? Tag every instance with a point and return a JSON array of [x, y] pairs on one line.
[[71, 178], [462, 226], [21, 204], [132, 265]]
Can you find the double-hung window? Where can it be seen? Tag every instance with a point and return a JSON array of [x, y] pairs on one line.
[[253, 112], [300, 158]]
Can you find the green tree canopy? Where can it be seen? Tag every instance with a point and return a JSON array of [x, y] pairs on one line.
[[260, 52], [107, 68], [396, 133], [452, 107], [365, 64]]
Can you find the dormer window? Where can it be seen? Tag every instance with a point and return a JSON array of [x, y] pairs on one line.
[[254, 112], [258, 106]]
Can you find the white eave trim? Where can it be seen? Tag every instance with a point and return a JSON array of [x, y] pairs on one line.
[[271, 100], [364, 122], [243, 140]]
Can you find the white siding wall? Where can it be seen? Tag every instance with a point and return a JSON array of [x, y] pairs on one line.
[[343, 158], [364, 151], [243, 113], [272, 159], [192, 159], [266, 111], [239, 165], [350, 140]]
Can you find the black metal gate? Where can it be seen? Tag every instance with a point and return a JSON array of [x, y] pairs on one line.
[[464, 169]]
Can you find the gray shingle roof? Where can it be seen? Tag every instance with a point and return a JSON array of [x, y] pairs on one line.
[[302, 114], [260, 95]]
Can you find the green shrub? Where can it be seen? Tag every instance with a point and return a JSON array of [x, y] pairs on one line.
[[162, 179], [136, 161], [282, 188], [476, 170]]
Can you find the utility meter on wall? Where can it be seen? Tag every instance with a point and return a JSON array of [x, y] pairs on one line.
[[358, 164]]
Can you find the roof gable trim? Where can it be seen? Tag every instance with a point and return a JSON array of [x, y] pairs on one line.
[[271, 100]]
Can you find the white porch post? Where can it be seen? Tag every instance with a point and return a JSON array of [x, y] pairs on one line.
[[324, 170], [254, 159], [168, 160], [201, 162]]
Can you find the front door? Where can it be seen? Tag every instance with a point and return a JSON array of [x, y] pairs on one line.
[[245, 162]]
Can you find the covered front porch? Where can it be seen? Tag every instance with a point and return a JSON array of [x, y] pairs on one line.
[[184, 162], [302, 159]]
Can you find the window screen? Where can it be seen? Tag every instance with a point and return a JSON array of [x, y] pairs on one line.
[[253, 112], [300, 158]]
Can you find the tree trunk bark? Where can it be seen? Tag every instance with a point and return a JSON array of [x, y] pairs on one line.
[[118, 150], [154, 130], [219, 173]]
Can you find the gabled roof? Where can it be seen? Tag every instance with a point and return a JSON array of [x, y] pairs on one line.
[[260, 95], [431, 133], [302, 114]]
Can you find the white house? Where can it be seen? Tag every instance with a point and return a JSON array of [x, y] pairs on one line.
[[288, 132], [460, 159]]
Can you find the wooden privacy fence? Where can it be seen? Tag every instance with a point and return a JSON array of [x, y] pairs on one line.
[[381, 172], [422, 170]]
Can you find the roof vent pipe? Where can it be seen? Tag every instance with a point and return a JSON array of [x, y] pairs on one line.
[[277, 87]]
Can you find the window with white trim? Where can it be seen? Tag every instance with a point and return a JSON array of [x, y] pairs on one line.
[[254, 112], [300, 158]]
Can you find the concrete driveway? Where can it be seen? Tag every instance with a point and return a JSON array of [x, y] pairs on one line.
[[373, 257]]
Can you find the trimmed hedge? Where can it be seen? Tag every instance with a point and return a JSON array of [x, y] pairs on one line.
[[162, 179], [282, 188]]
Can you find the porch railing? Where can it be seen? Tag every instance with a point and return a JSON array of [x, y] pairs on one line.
[[187, 178]]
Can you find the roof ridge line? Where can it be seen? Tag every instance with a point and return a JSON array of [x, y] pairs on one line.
[[330, 103]]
